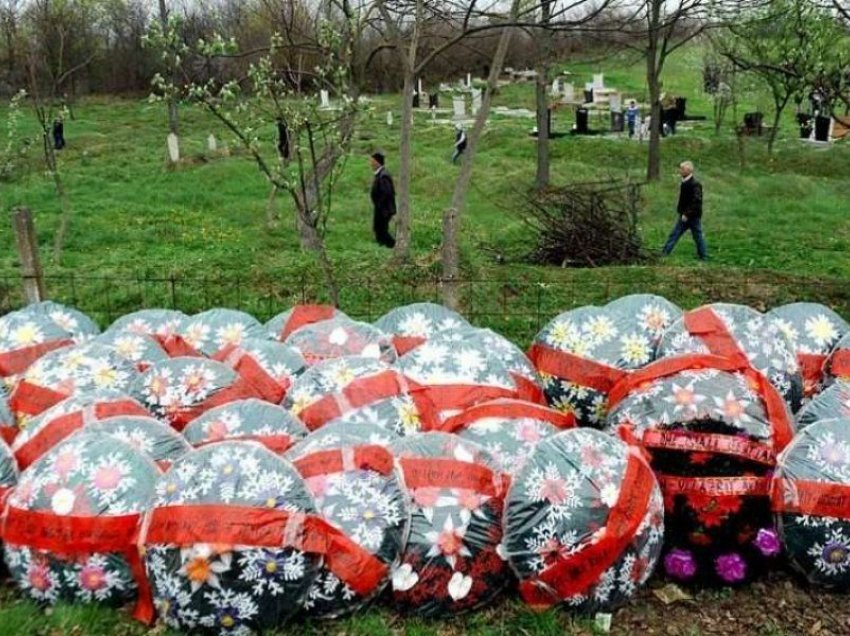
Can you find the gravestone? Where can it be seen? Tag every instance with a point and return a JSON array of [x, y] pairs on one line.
[[588, 93], [615, 102], [556, 87], [469, 80], [569, 93], [325, 98], [389, 118], [598, 81], [434, 100], [416, 100], [173, 144], [476, 101], [459, 106], [212, 144], [419, 85]]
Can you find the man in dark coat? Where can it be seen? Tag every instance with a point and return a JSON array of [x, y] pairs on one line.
[[689, 211], [383, 200]]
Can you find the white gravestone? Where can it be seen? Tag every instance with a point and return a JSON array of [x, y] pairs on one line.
[[326, 101], [459, 106], [212, 144], [476, 101], [173, 144], [615, 102], [420, 86], [598, 81], [469, 80], [389, 118], [569, 93], [556, 87]]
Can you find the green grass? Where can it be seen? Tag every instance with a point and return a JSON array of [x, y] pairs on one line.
[[770, 223]]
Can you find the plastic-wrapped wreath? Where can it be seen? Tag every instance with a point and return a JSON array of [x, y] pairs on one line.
[[837, 365], [362, 390], [270, 366], [211, 331], [8, 426], [70, 522], [739, 332], [24, 338], [452, 561], [252, 419], [75, 323], [67, 372], [358, 491], [142, 350], [152, 322], [52, 426], [712, 436], [584, 352], [584, 522], [412, 325], [181, 389], [233, 543], [831, 403], [813, 330], [508, 429], [340, 336], [281, 326], [811, 500]]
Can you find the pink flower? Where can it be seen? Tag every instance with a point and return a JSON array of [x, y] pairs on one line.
[[217, 431], [767, 541], [425, 497], [65, 463], [468, 499], [554, 491], [529, 433], [39, 577], [92, 578], [731, 567], [318, 485], [107, 477]]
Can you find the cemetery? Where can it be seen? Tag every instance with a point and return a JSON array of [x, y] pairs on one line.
[[358, 318]]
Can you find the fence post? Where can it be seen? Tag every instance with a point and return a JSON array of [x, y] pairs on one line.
[[33, 278]]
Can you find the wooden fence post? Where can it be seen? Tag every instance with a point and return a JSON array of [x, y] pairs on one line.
[[31, 273]]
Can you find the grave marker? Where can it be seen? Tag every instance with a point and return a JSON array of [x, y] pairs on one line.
[[325, 98], [173, 144], [476, 101], [212, 144], [459, 106], [598, 81]]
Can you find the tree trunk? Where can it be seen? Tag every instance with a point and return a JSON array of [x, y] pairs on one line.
[[450, 254], [542, 98], [173, 117], [271, 214], [653, 170], [771, 138], [402, 246]]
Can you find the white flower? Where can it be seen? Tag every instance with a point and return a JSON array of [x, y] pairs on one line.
[[459, 586], [635, 349], [26, 334], [609, 494], [416, 325], [601, 328], [338, 337], [821, 330], [62, 501], [372, 350], [404, 578]]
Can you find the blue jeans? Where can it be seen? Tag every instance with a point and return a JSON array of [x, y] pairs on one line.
[[695, 226]]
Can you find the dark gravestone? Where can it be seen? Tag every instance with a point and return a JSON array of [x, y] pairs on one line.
[[681, 104], [588, 96], [58, 134], [753, 123], [416, 100], [822, 128], [618, 122], [582, 115], [434, 100]]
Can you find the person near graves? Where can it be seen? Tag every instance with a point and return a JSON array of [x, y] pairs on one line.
[[669, 115], [58, 133], [689, 211], [632, 115], [460, 143], [283, 138], [383, 201]]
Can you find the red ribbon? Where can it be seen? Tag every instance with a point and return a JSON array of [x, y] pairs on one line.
[[74, 535], [241, 389], [715, 486], [19, 360], [508, 409], [817, 498], [9, 433], [303, 315], [31, 399], [405, 344], [839, 363], [574, 574], [176, 346], [811, 365], [367, 457], [61, 427], [247, 366], [709, 443], [528, 390], [459, 397], [264, 527], [364, 391], [420, 472], [572, 368], [277, 444]]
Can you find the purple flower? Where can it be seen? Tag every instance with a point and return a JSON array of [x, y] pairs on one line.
[[835, 553], [731, 567], [680, 564], [767, 541]]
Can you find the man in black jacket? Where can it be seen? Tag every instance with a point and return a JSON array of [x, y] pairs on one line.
[[689, 211], [383, 200]]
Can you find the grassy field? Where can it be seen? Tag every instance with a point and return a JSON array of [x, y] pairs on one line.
[[194, 236], [773, 225]]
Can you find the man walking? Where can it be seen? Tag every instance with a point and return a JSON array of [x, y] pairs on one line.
[[383, 201], [632, 115], [689, 211], [460, 143]]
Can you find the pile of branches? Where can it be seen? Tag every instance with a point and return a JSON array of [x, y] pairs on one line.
[[585, 224]]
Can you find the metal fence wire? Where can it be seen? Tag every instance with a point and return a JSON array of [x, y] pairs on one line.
[[517, 307]]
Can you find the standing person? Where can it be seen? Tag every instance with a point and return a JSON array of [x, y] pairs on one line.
[[383, 201], [58, 133], [460, 143], [689, 210], [632, 115]]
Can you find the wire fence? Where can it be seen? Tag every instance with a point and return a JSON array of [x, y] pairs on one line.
[[517, 306]]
